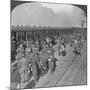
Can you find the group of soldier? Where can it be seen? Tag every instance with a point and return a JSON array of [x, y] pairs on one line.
[[35, 58]]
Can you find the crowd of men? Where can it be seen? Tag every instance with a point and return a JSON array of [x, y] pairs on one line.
[[35, 58]]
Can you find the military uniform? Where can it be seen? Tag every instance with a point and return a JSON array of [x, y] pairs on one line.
[[43, 61], [21, 63], [20, 53], [48, 54], [23, 69], [77, 49], [51, 60], [34, 59], [28, 52]]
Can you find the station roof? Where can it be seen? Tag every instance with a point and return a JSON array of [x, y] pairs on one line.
[[39, 28]]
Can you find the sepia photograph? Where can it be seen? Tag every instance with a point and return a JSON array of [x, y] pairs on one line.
[[48, 44]]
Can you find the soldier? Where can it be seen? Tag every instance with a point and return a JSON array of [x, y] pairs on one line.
[[28, 53], [23, 69], [51, 60], [48, 41], [63, 46], [20, 52], [34, 59], [43, 61], [77, 49], [21, 64]]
